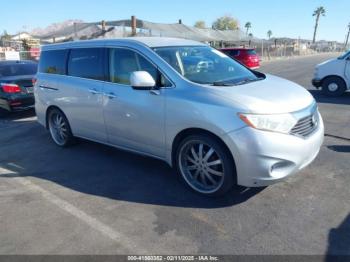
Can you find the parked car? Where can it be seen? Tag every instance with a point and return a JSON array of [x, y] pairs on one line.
[[246, 56], [333, 75], [218, 126], [16, 85]]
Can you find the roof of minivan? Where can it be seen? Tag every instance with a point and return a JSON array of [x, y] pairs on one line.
[[148, 41]]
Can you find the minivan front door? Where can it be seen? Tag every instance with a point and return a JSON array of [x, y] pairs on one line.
[[347, 69], [134, 118]]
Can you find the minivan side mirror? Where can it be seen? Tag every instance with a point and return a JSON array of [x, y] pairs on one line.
[[142, 80]]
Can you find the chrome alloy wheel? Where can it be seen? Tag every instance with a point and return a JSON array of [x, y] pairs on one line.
[[58, 128], [201, 166]]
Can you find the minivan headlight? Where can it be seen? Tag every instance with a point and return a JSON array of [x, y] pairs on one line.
[[282, 123]]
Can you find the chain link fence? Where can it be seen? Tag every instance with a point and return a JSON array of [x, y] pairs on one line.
[[270, 50]]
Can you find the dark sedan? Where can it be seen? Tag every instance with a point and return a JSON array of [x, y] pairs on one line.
[[16, 85]]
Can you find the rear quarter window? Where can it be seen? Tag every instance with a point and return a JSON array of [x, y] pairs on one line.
[[53, 62]]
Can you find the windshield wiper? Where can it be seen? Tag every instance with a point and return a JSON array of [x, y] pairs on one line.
[[248, 80], [220, 83], [244, 81]]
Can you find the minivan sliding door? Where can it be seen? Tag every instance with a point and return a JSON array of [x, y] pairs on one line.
[[82, 92]]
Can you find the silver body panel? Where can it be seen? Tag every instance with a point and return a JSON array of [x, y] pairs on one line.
[[147, 122]]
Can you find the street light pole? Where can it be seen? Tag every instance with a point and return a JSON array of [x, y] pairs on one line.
[[347, 37]]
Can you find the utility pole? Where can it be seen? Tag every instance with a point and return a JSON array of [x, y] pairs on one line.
[[75, 31], [103, 26], [133, 25], [347, 37]]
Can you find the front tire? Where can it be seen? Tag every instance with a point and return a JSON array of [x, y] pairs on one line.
[[333, 86], [59, 128], [205, 165]]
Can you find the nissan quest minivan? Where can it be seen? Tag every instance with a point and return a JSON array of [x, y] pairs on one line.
[[214, 120]]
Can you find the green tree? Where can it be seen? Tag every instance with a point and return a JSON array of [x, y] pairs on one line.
[[320, 11], [226, 23], [5, 36], [26, 46], [247, 25], [200, 24], [269, 34]]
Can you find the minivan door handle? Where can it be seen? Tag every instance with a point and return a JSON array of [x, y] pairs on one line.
[[42, 87], [110, 95], [94, 91]]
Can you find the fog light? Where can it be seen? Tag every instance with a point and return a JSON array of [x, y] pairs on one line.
[[281, 168]]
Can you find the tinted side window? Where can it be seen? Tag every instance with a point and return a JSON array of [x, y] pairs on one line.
[[86, 63], [122, 62], [53, 62], [234, 52], [251, 52]]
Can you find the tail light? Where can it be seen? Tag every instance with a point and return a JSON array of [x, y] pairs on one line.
[[11, 88]]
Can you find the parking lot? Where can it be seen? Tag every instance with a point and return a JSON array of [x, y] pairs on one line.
[[94, 199]]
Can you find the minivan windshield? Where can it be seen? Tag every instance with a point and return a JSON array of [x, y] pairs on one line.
[[205, 65]]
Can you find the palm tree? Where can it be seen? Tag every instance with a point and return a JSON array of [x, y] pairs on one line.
[[269, 34], [248, 25], [318, 12], [250, 35]]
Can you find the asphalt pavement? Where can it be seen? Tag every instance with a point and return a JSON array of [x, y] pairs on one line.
[[94, 199]]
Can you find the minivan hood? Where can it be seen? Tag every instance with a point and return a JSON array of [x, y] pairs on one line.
[[333, 60], [273, 95]]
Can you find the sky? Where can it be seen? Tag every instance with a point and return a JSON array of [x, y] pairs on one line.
[[284, 18]]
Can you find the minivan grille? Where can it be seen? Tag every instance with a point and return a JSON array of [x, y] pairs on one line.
[[306, 126]]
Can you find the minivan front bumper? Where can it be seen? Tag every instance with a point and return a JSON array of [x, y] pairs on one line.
[[263, 158]]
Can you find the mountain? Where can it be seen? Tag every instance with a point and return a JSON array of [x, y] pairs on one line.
[[54, 27]]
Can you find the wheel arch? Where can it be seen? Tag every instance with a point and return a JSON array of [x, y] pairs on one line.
[[196, 131], [51, 107], [337, 76]]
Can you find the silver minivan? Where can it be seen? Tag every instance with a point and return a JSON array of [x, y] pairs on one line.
[[214, 120]]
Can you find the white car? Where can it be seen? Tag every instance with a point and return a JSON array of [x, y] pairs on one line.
[[333, 75]]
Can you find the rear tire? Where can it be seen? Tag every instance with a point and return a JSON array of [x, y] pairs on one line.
[[59, 128], [333, 86], [205, 165]]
